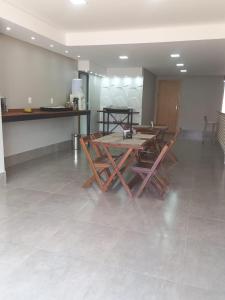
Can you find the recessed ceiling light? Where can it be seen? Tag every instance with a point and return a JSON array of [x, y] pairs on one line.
[[8, 28], [66, 51], [51, 46], [174, 55], [183, 71], [179, 65], [33, 38], [123, 57], [78, 2], [78, 56]]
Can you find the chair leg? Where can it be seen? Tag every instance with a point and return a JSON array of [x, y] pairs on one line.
[[158, 186], [172, 157], [214, 133], [92, 179], [204, 133], [143, 185], [155, 181], [89, 182], [133, 181], [161, 181]]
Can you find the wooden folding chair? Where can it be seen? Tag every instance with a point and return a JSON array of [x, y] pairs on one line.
[[149, 173], [151, 150], [211, 126], [98, 165], [96, 135], [171, 154], [98, 150]]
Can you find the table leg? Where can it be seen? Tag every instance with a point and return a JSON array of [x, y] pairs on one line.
[[117, 168]]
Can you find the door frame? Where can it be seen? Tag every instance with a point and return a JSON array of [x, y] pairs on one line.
[[87, 86], [156, 98]]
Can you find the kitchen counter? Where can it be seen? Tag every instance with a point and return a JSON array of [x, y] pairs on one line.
[[14, 115]]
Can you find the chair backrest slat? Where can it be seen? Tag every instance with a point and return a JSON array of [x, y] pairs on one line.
[[96, 147], [176, 134], [152, 170], [96, 135], [159, 159], [84, 141]]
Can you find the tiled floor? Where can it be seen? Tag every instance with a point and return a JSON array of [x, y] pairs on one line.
[[58, 241]]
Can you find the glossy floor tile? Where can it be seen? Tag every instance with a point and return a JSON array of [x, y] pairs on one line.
[[60, 241]]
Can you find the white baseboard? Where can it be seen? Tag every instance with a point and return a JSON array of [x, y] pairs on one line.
[[36, 153], [2, 179]]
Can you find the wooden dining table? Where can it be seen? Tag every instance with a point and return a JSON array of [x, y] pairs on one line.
[[149, 128], [158, 130], [130, 146]]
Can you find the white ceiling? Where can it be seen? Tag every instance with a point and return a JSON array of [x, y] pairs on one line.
[[123, 14], [199, 57], [203, 56]]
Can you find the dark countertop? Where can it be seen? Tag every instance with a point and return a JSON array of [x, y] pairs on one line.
[[14, 115]]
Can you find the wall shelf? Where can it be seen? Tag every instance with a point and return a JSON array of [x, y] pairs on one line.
[[110, 116]]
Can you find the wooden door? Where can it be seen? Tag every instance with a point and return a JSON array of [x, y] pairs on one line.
[[168, 103]]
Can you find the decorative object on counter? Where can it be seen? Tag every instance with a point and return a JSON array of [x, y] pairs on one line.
[[15, 115], [127, 134], [68, 104], [76, 103], [4, 104], [28, 110], [55, 108], [77, 93]]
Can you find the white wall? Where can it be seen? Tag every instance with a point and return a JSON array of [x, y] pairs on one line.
[[148, 99], [27, 70], [2, 165], [123, 87], [94, 100], [200, 96]]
